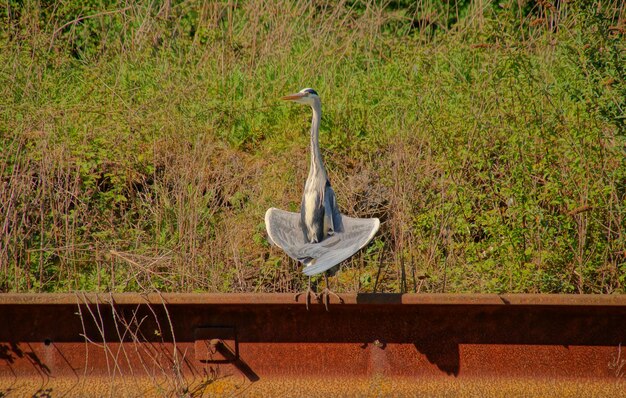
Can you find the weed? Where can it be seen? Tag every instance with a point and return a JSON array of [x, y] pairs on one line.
[[140, 145]]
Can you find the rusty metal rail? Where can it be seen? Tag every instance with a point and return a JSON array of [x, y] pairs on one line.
[[268, 345]]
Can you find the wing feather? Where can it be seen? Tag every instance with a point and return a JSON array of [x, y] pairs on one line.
[[284, 231]]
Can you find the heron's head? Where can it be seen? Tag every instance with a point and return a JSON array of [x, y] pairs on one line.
[[306, 96]]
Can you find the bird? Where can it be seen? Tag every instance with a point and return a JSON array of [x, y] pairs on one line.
[[319, 237]]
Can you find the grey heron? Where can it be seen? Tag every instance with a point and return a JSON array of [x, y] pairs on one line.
[[319, 237]]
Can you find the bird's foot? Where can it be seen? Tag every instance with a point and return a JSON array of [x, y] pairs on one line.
[[324, 296], [307, 294]]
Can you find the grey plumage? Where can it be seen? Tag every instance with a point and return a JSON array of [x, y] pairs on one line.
[[320, 237], [318, 211]]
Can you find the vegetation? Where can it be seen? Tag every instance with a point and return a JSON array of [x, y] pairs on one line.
[[142, 142]]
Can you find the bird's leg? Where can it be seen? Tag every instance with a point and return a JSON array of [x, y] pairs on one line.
[[325, 294], [308, 293]]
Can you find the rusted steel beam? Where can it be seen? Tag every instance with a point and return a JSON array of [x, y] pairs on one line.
[[287, 299], [190, 340]]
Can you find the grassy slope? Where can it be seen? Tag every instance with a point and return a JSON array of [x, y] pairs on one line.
[[142, 146]]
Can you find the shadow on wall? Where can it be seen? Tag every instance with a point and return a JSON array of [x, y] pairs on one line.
[[379, 298], [12, 351], [438, 349], [444, 354]]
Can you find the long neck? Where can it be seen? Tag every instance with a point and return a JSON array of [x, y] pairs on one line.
[[317, 165]]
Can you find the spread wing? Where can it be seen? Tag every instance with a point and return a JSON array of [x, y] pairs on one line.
[[284, 231]]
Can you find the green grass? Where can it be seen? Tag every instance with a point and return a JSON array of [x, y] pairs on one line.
[[141, 146]]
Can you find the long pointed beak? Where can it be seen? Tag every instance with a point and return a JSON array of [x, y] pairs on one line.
[[293, 97]]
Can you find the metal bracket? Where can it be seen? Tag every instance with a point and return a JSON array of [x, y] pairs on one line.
[[216, 344]]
